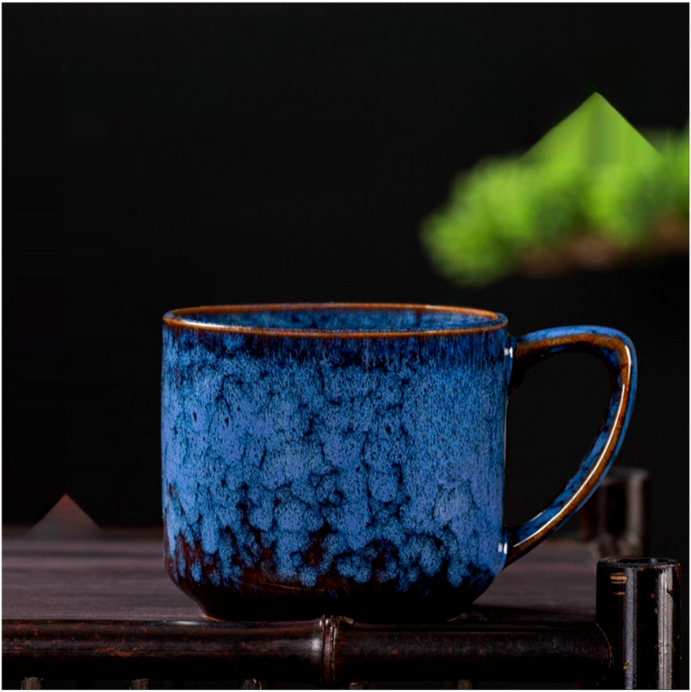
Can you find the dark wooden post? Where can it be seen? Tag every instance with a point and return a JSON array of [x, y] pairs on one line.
[[638, 608], [616, 519]]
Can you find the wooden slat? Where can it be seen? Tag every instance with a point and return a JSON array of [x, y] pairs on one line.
[[297, 651], [106, 607], [124, 578]]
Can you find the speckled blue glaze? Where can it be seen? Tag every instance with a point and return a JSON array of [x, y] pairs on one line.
[[617, 352], [317, 458]]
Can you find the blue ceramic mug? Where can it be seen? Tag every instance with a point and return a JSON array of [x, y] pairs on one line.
[[349, 459]]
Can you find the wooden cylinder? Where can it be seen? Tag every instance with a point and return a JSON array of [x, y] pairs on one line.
[[638, 608], [616, 519], [332, 651], [31, 684]]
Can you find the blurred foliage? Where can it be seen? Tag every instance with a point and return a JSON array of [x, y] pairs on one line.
[[593, 192]]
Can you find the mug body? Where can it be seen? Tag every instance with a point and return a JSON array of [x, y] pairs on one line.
[[334, 459]]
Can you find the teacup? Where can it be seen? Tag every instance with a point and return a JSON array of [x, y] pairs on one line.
[[349, 458]]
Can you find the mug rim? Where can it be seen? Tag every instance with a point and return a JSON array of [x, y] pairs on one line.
[[177, 319]]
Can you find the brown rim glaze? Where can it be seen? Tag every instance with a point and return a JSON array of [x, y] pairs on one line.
[[176, 319]]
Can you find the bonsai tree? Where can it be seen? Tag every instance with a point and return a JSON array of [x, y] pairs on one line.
[[592, 193]]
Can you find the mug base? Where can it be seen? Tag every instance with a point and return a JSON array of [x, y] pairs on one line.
[[274, 604]]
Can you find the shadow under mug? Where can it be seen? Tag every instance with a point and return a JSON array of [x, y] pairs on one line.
[[349, 458]]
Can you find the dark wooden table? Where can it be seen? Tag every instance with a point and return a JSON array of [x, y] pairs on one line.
[[104, 608]]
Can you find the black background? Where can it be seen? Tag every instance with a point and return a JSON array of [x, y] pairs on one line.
[[160, 156]]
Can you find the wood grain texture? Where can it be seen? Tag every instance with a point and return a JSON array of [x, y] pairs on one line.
[[124, 578], [107, 609]]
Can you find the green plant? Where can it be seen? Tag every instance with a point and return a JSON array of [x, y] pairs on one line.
[[592, 185]]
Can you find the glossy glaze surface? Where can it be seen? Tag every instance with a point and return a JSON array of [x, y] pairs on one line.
[[350, 459], [617, 352], [337, 465]]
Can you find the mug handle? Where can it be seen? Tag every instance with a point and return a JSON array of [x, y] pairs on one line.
[[617, 352]]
